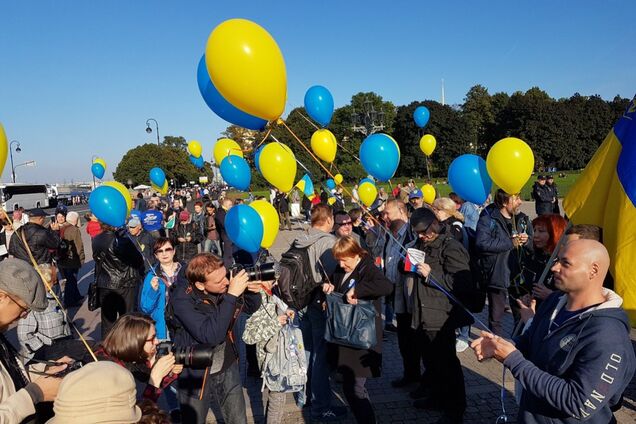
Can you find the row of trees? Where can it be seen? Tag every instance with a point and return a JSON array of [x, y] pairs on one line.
[[563, 133]]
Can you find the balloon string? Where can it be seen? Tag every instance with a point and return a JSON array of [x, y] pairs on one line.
[[269, 131], [316, 127]]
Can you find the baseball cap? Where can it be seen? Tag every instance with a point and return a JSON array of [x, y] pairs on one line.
[[416, 194], [421, 219], [19, 278], [541, 177], [549, 177], [37, 212], [133, 222]]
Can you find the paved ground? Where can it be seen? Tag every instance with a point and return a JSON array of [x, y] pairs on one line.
[[483, 380]]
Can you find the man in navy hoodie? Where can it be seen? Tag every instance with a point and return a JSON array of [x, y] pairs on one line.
[[576, 359]]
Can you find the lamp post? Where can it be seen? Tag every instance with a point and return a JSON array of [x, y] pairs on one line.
[[17, 150], [149, 130], [368, 120], [27, 163]]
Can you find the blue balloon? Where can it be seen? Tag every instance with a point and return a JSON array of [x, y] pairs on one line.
[[108, 205], [257, 157], [319, 104], [244, 227], [198, 162], [380, 156], [468, 177], [331, 184], [224, 109], [98, 170], [236, 172], [157, 176], [421, 116]]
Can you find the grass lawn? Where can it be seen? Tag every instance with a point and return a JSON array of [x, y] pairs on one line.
[[564, 185]]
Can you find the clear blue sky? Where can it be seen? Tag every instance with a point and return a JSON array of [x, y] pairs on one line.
[[80, 78]]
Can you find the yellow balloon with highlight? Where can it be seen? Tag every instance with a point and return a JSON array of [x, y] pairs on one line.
[[247, 68], [269, 216], [428, 144], [4, 148], [338, 178], [101, 161], [367, 193], [124, 192], [194, 148], [510, 162], [428, 193], [324, 145], [226, 147], [278, 165]]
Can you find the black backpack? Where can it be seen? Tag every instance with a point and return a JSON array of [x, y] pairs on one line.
[[296, 284]]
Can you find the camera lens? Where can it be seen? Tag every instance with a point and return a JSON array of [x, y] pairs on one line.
[[195, 357]]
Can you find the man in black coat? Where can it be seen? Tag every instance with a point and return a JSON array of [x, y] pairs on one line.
[[42, 242], [543, 196], [226, 243]]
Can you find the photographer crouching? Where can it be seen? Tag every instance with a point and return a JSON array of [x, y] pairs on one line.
[[201, 312]]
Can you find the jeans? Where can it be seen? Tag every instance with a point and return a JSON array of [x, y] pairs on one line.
[[210, 246], [71, 293], [464, 332], [224, 386], [312, 322]]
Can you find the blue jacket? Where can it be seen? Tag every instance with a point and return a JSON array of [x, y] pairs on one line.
[[153, 302], [580, 370], [498, 260]]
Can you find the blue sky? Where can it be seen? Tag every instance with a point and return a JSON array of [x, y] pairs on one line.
[[80, 78]]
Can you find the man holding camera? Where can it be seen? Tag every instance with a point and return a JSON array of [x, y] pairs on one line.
[[202, 310]]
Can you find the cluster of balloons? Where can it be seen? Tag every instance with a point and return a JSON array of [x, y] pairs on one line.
[[98, 168], [111, 203], [380, 156], [252, 226], [158, 180], [246, 70], [195, 150]]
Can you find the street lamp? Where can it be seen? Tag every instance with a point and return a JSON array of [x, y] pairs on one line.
[[368, 120], [17, 150], [149, 130], [27, 163]]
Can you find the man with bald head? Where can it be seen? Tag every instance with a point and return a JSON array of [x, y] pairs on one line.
[[576, 359]]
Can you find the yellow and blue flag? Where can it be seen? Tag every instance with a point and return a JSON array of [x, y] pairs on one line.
[[605, 195], [306, 186]]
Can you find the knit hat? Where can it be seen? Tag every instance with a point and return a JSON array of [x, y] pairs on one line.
[[100, 392], [73, 218], [19, 279]]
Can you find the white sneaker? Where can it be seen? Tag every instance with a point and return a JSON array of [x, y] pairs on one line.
[[461, 345]]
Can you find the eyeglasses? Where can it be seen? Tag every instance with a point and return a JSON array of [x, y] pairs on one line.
[[346, 223], [25, 309], [166, 250]]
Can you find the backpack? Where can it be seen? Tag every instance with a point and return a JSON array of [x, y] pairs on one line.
[[285, 369], [296, 284]]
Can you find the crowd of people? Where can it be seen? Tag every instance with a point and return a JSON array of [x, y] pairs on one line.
[[177, 299]]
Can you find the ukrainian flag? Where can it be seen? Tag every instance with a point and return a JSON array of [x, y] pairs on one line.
[[605, 195], [306, 186]]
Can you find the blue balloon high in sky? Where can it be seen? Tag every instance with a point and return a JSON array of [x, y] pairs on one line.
[[468, 177], [319, 104], [244, 227], [98, 170], [157, 176], [380, 156], [236, 172], [198, 162], [224, 109], [108, 205], [421, 116]]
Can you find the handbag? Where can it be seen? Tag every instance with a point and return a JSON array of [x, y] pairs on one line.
[[350, 325]]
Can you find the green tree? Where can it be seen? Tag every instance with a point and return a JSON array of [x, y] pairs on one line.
[[479, 114], [177, 142]]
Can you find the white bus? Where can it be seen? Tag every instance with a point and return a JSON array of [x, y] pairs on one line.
[[28, 196]]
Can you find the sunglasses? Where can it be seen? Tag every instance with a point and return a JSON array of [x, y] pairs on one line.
[[346, 223], [166, 250]]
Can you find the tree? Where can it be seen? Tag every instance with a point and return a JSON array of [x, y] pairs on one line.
[[479, 114], [176, 142]]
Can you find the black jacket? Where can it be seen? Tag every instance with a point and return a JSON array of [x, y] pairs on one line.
[[186, 250], [145, 243], [282, 204], [450, 269], [498, 260], [118, 263], [42, 241], [370, 284], [543, 196]]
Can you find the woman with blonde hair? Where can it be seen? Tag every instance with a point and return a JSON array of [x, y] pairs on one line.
[[446, 211]]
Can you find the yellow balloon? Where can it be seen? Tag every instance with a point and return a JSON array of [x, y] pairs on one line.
[[428, 193], [427, 144], [247, 67], [224, 148], [510, 162], [160, 190], [269, 216], [331, 201], [367, 193], [4, 148], [124, 192], [324, 145], [338, 178], [194, 148], [101, 162], [278, 165]]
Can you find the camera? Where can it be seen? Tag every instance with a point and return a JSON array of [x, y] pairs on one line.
[[196, 357], [258, 272], [73, 366]]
